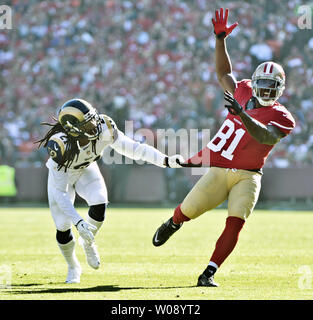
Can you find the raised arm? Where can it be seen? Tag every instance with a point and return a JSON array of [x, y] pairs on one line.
[[222, 61]]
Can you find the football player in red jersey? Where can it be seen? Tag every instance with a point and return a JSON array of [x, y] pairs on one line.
[[236, 154]]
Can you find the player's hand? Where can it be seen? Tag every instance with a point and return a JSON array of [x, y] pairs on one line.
[[232, 104], [174, 161], [84, 229], [220, 24]]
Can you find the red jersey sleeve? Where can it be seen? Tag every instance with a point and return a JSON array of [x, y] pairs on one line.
[[282, 119]]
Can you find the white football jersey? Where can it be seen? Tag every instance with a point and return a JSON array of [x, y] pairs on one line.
[[83, 174], [57, 146], [110, 136]]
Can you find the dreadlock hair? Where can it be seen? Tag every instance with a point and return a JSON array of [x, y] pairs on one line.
[[71, 145]]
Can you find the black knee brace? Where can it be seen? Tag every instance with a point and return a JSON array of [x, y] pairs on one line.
[[97, 212], [63, 237]]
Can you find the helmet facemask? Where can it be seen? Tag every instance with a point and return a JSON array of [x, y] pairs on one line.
[[267, 91], [268, 83], [90, 128], [80, 120]]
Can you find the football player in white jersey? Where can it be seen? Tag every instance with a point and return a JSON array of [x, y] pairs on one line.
[[74, 143]]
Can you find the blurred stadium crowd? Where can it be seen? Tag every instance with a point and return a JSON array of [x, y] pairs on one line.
[[150, 61]]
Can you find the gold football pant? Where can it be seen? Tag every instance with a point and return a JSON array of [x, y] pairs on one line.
[[240, 187]]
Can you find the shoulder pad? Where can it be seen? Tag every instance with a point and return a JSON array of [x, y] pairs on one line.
[[110, 124], [109, 121], [56, 148]]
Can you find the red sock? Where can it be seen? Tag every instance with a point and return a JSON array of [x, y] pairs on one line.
[[179, 217], [228, 240]]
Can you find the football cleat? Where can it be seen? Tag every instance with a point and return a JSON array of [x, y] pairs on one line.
[[73, 275], [164, 232], [205, 281], [91, 252]]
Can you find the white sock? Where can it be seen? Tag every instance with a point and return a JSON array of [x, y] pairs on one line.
[[95, 223], [68, 252], [213, 264]]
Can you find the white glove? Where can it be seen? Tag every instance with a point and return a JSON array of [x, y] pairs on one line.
[[174, 161], [84, 229]]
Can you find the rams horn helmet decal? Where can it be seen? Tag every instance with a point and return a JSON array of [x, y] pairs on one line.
[[268, 82], [80, 119]]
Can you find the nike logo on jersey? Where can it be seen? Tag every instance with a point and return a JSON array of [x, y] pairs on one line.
[[236, 120]]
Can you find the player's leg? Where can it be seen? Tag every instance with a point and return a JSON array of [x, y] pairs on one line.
[[241, 201], [92, 188], [208, 193], [66, 243], [64, 237], [96, 216]]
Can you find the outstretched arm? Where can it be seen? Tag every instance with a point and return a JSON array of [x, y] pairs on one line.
[[141, 151], [136, 150], [222, 61]]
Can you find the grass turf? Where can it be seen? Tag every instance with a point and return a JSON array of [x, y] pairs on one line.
[[272, 261]]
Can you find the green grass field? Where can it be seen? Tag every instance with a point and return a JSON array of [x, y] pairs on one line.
[[273, 250]]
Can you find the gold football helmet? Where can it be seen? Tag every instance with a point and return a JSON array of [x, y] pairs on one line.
[[80, 119]]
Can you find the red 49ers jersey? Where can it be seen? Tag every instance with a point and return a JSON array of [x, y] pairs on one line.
[[232, 146]]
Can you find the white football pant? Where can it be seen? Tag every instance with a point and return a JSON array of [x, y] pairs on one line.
[[89, 185]]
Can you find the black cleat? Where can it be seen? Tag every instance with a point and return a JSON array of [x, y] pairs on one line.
[[164, 232], [205, 281]]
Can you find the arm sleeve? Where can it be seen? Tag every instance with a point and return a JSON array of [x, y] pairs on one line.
[[243, 91], [138, 151], [58, 191]]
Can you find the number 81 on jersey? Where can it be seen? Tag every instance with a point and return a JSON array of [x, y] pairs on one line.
[[223, 135]]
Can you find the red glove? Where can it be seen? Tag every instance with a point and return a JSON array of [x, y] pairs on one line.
[[220, 24]]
